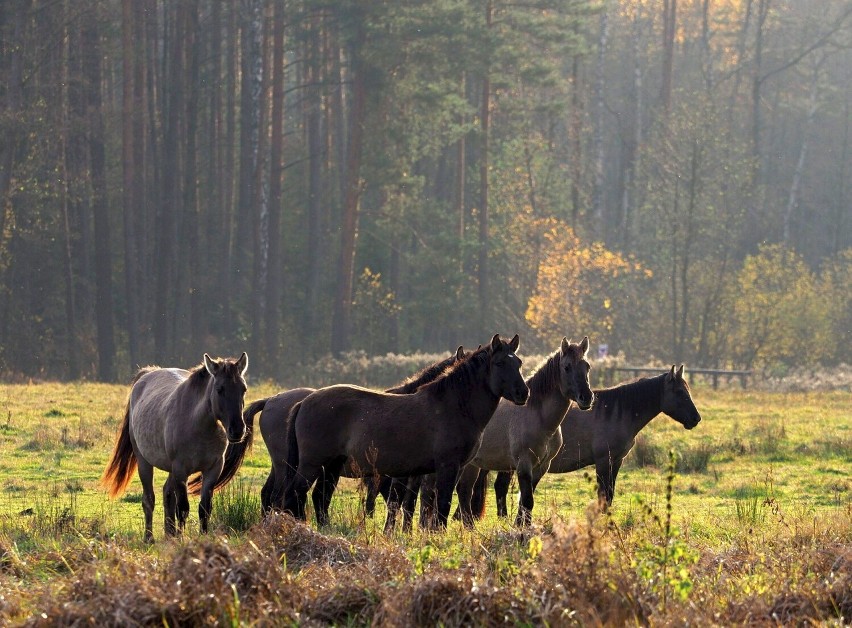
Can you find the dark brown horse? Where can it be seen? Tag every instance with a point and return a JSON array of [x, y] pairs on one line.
[[526, 438], [436, 429], [523, 438], [273, 428], [604, 435], [181, 422]]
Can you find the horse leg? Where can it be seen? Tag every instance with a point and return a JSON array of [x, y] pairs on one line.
[[266, 494], [324, 489], [412, 487], [169, 505], [146, 476], [205, 506], [395, 497], [524, 516], [296, 493], [183, 505], [607, 471], [447, 477], [428, 514], [464, 489], [376, 485], [501, 489], [477, 495]]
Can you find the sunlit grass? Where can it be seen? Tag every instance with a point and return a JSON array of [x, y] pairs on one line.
[[761, 489]]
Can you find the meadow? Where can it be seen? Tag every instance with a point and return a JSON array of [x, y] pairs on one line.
[[745, 519]]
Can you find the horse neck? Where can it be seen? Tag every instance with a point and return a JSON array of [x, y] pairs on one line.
[[641, 400], [194, 394], [466, 387], [546, 398]]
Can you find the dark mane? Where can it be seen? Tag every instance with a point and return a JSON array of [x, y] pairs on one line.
[[643, 393], [424, 376], [461, 375], [544, 379], [198, 376]]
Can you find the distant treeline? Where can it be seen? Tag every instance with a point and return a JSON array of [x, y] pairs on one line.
[[298, 179]]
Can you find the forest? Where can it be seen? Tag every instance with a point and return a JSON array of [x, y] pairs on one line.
[[300, 178]]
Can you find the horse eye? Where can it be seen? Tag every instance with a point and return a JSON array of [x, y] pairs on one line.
[[567, 368], [220, 389]]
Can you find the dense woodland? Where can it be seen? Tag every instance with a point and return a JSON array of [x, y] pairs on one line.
[[296, 178]]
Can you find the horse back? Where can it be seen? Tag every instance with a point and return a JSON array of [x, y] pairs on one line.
[[273, 421], [602, 432], [153, 405], [378, 431]]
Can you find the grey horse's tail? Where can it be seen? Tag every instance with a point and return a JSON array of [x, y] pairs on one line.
[[122, 464], [235, 453]]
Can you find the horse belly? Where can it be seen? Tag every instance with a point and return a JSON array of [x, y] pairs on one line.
[[148, 435], [394, 451]]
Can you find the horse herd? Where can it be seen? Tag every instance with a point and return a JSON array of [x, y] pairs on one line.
[[439, 432]]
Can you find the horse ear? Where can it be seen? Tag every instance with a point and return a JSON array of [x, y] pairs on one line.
[[679, 373], [565, 345], [672, 372], [495, 342], [242, 363], [514, 343], [210, 364], [459, 353], [584, 345]]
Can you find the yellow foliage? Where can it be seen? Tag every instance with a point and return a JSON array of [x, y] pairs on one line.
[[582, 289]]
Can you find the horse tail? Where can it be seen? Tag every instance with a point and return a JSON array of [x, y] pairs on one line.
[[235, 453], [292, 445], [477, 499], [122, 464]]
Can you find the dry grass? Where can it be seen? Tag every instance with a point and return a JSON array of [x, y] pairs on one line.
[[284, 573]]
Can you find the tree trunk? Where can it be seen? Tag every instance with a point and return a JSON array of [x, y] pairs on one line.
[[14, 103], [130, 60], [71, 343], [276, 163], [166, 223], [485, 122], [795, 184], [261, 203], [317, 156], [597, 227], [250, 88], [669, 30], [342, 320], [100, 208]]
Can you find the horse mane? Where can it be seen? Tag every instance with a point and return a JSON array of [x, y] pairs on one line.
[[544, 379], [424, 376], [461, 375], [641, 394], [198, 376]]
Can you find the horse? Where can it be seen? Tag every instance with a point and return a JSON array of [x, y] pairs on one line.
[[181, 422], [436, 429], [525, 438], [605, 435], [273, 428]]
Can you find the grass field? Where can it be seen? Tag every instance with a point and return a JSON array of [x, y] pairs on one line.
[[751, 525]]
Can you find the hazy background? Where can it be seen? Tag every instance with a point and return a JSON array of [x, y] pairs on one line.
[[301, 178]]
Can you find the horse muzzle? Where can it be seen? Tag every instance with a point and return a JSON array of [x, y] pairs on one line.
[[235, 438], [586, 403], [520, 396], [692, 422]]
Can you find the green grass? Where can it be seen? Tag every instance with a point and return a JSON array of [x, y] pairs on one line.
[[764, 478]]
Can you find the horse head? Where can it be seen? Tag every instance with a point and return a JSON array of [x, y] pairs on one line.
[[227, 393], [505, 377], [677, 402], [574, 373]]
